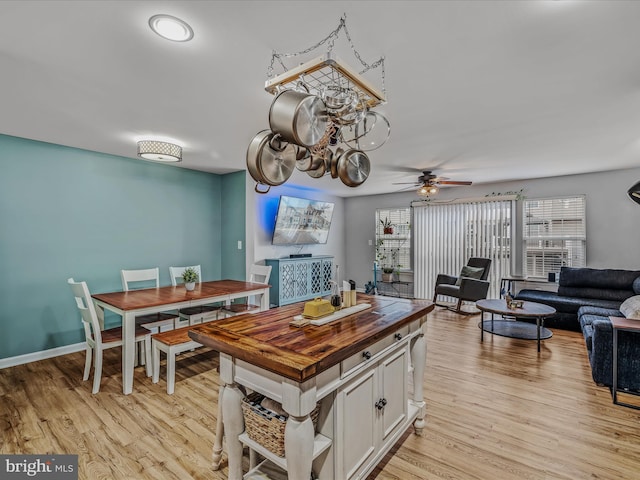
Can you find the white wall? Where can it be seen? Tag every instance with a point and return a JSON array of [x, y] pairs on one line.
[[261, 211], [613, 220]]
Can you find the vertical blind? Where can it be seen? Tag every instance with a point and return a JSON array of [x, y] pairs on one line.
[[447, 235], [554, 234]]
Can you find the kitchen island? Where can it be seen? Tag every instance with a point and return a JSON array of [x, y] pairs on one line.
[[365, 371]]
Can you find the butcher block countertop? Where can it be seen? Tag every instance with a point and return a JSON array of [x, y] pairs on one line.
[[267, 339]]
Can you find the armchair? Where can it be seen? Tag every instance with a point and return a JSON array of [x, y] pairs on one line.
[[471, 285]]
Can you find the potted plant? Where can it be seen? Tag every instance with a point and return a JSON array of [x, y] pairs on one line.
[[387, 226], [189, 277], [387, 274]]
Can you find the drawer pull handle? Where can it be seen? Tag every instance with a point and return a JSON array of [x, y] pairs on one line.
[[398, 336], [366, 355], [380, 404]]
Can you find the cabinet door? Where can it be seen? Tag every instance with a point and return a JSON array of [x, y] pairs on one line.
[[394, 375], [287, 282], [317, 279], [356, 426], [301, 279], [327, 275]]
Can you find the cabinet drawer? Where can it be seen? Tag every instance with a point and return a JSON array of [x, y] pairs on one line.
[[367, 355]]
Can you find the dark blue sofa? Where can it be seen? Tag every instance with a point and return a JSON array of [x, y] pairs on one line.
[[598, 335], [579, 287], [585, 300]]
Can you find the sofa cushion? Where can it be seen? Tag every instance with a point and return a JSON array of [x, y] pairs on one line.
[[630, 308], [563, 303], [599, 311], [604, 284]]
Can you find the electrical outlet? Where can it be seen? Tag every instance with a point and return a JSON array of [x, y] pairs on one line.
[[370, 243], [239, 244]]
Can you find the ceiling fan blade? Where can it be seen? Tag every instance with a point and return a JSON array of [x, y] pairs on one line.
[[407, 183], [451, 182]]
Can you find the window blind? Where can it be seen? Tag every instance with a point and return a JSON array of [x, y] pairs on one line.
[[554, 234], [447, 235]]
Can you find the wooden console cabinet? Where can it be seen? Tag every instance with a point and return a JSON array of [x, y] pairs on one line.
[[365, 370], [297, 279]]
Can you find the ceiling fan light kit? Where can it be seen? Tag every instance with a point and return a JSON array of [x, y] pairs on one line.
[[314, 102], [429, 183], [427, 190]]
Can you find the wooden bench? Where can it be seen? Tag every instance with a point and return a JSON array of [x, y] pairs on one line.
[[172, 343]]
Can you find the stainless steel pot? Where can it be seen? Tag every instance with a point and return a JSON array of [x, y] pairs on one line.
[[324, 164], [353, 167], [312, 162], [299, 117], [270, 161]]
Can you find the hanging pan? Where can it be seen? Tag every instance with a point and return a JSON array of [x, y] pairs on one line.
[[353, 167], [269, 160]]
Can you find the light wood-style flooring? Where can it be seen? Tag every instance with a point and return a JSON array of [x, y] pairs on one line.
[[497, 410]]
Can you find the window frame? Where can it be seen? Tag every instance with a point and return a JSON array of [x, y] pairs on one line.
[[561, 241]]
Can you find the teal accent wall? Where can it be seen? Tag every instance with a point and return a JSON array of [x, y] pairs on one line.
[[66, 212], [233, 261]]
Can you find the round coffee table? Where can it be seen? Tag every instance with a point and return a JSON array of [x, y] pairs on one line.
[[506, 327]]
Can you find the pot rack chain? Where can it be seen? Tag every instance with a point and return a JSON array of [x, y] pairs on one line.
[[331, 39]]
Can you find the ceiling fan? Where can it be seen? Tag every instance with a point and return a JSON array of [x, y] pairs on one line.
[[429, 184]]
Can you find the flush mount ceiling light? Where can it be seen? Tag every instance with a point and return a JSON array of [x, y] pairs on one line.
[[634, 193], [427, 190], [159, 151], [171, 28]]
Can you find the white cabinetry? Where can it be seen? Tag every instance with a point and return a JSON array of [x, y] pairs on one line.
[[370, 406], [370, 409]]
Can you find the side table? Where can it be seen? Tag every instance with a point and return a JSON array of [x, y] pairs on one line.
[[625, 325]]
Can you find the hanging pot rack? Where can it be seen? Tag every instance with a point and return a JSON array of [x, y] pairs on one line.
[[327, 71], [348, 99]]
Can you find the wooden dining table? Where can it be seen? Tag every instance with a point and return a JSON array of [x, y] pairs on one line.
[[133, 303]]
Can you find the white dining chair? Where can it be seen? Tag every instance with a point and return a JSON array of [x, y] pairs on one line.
[[258, 274], [148, 278], [192, 315], [98, 340]]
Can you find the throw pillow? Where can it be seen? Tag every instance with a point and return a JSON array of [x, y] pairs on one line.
[[470, 272], [630, 308]]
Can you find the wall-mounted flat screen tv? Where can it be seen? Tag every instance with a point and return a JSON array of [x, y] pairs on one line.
[[301, 221]]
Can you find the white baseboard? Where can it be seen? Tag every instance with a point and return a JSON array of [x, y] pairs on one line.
[[43, 354]]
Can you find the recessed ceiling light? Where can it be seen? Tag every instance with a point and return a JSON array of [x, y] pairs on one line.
[[171, 28]]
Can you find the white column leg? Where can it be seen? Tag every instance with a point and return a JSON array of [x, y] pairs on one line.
[[298, 446], [216, 456], [233, 426], [128, 351], [147, 356], [156, 360], [264, 300], [97, 369], [171, 370], [418, 360], [87, 362]]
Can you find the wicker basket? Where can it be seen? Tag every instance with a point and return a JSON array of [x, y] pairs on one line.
[[266, 426]]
